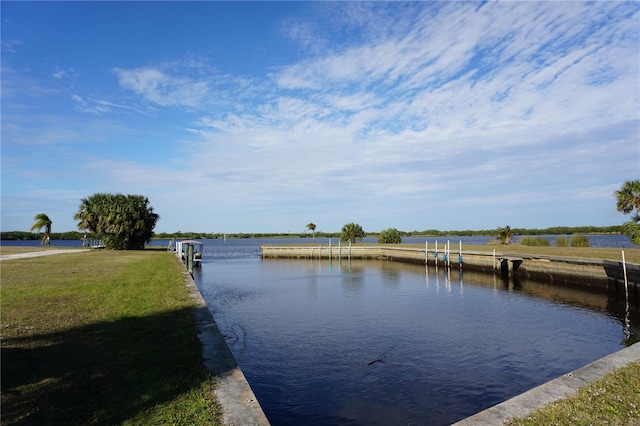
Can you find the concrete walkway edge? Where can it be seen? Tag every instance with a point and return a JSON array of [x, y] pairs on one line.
[[565, 386], [40, 253], [239, 404]]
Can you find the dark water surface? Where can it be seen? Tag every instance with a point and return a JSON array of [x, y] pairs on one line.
[[385, 343]]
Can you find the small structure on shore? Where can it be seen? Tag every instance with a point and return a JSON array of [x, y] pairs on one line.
[[182, 251]]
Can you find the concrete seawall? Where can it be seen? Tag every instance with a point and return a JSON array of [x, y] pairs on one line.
[[599, 273], [240, 407], [562, 387]]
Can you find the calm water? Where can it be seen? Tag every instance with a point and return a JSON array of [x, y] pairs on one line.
[[384, 343]]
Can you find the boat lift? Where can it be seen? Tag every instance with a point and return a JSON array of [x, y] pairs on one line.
[[182, 251]]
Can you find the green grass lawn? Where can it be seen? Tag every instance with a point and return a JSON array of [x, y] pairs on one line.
[[613, 400], [101, 337]]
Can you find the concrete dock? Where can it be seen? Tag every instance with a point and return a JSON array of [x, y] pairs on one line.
[[607, 274]]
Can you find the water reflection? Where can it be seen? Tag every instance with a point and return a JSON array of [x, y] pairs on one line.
[[376, 342]]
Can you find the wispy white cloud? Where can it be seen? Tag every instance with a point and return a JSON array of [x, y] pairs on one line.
[[163, 89], [16, 84], [101, 106], [60, 74], [11, 46], [28, 131]]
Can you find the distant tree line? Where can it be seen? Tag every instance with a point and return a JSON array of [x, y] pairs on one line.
[[24, 236], [557, 230]]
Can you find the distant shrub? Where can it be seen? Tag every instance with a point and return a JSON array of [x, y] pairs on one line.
[[390, 236], [534, 241], [580, 241], [562, 242]]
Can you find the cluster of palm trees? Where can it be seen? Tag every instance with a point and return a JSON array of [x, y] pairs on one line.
[[126, 221]]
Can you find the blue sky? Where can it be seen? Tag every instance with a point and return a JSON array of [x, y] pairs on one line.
[[265, 116]]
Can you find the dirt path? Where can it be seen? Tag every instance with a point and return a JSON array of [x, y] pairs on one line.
[[39, 253]]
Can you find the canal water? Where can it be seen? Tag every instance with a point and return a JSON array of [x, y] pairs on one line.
[[386, 343]]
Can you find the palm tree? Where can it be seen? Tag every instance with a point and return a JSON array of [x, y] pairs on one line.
[[312, 227], [351, 232], [628, 200], [504, 235], [43, 221], [124, 221]]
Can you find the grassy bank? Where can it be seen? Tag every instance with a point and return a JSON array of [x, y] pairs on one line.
[[101, 337], [613, 400]]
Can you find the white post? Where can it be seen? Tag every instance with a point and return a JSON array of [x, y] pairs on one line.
[[494, 259], [624, 269], [627, 323], [435, 253], [448, 253], [426, 252], [460, 255]]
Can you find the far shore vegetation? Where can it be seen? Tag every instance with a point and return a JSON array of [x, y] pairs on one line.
[[556, 230]]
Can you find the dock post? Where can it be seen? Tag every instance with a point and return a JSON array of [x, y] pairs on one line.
[[435, 254], [339, 250], [460, 255], [448, 254], [190, 258], [426, 253], [494, 259], [624, 270], [349, 255], [330, 255], [627, 323]]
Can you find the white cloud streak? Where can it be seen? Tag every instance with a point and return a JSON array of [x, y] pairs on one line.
[[163, 89]]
